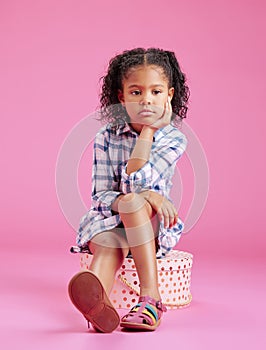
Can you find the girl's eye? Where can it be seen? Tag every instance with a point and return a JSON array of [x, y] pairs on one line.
[[135, 92], [156, 92]]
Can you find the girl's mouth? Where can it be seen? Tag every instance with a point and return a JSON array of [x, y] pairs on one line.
[[146, 112]]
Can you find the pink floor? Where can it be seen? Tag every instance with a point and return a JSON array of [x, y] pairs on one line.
[[227, 311]]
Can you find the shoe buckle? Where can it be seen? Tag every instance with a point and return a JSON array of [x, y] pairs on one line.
[[160, 306]]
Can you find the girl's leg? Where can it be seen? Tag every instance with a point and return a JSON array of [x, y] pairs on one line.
[[109, 250], [88, 290], [141, 228]]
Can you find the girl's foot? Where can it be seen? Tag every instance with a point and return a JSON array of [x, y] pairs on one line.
[[146, 315], [88, 295]]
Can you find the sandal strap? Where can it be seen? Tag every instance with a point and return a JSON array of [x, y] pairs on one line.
[[148, 309], [158, 304]]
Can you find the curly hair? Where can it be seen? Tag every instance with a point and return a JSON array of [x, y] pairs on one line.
[[110, 108]]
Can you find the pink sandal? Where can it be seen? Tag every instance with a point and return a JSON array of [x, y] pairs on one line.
[[146, 315]]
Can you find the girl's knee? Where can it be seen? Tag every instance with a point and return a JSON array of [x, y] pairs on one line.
[[131, 203]]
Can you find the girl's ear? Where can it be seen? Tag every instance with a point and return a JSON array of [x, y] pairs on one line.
[[121, 97], [171, 92]]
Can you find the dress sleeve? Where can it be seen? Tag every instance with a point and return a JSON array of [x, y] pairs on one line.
[[104, 186], [163, 156]]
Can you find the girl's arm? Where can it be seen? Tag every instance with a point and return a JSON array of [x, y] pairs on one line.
[[165, 210], [163, 207], [142, 150]]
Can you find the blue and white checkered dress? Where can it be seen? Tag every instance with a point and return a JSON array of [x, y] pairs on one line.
[[113, 146]]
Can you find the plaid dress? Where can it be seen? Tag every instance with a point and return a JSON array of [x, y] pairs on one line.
[[113, 146]]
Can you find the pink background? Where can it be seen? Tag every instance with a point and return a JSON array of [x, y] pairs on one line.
[[52, 56]]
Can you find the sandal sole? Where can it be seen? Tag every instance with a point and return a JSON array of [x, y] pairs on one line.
[[88, 295], [140, 326]]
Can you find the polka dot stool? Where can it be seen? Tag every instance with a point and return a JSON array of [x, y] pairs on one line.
[[174, 278]]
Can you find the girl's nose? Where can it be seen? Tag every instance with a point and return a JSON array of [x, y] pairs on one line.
[[145, 100]]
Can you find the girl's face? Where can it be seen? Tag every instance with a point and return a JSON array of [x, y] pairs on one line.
[[145, 94]]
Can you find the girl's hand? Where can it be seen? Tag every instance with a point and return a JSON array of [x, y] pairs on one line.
[[165, 210], [165, 119]]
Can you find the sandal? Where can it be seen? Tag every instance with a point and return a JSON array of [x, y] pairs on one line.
[[88, 295], [146, 315]]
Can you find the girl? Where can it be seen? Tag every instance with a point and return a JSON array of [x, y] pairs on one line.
[[144, 93]]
